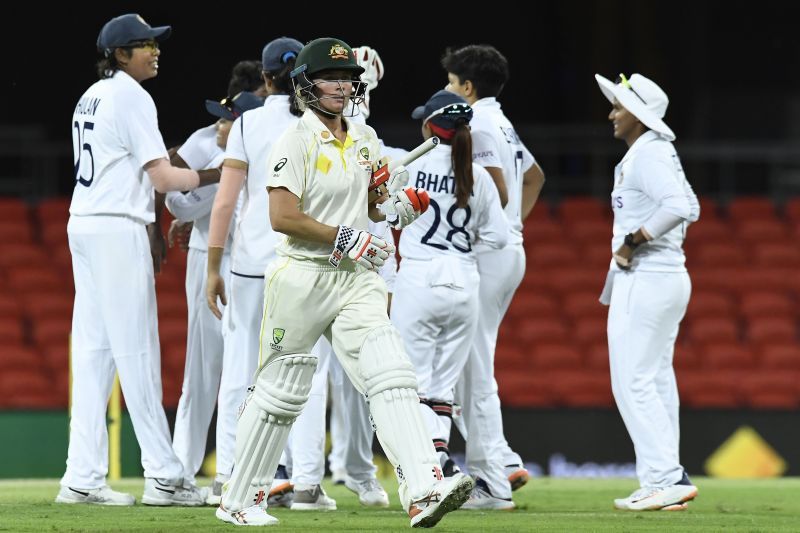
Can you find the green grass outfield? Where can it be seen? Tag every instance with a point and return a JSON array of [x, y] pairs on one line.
[[543, 505]]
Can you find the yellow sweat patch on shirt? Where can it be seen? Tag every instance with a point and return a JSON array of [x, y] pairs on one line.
[[323, 164]]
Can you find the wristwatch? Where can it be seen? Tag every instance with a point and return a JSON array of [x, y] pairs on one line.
[[629, 241]]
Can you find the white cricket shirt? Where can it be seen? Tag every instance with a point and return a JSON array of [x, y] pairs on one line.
[[445, 228], [650, 177], [114, 134], [495, 143], [250, 141]]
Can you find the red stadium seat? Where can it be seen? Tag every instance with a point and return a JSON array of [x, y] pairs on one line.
[[707, 231], [16, 232], [518, 389], [597, 356], [771, 390], [780, 356], [792, 209], [540, 329], [550, 355], [32, 278], [583, 208], [751, 207], [589, 231], [778, 254], [713, 329], [685, 357], [596, 255], [766, 304], [53, 330], [56, 356], [172, 330], [707, 390], [527, 303], [580, 304], [9, 308], [727, 356], [541, 231], [588, 330], [171, 304], [10, 332], [53, 210], [550, 255], [718, 254], [705, 303], [22, 255], [759, 231], [39, 305], [13, 209], [762, 329], [582, 388], [16, 356], [54, 233], [708, 208], [575, 279]]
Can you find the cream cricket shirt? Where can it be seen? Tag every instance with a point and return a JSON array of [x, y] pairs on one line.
[[329, 177]]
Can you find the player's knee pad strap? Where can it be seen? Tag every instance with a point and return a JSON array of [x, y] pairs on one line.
[[280, 392], [383, 362]]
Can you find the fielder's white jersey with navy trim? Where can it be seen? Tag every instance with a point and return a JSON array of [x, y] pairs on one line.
[[329, 177], [650, 177], [250, 140], [114, 134], [495, 143], [200, 152], [445, 228]]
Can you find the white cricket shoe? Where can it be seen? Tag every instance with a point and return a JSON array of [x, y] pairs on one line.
[[254, 515], [445, 496], [517, 476], [312, 498], [370, 492], [672, 498], [166, 492], [482, 499], [102, 496]]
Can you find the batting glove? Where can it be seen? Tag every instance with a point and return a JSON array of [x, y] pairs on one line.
[[364, 248], [368, 59], [404, 207]]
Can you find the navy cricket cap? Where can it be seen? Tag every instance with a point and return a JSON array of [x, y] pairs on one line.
[[232, 108], [443, 109], [127, 29], [277, 52]]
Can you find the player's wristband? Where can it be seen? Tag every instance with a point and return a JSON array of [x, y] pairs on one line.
[[343, 237]]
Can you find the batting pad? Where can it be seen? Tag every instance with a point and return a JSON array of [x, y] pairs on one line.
[[391, 388], [281, 391]]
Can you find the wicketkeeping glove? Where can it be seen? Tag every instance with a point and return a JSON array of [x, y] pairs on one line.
[[364, 248], [404, 207]]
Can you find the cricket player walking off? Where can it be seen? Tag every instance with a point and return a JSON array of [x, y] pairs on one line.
[[648, 288], [478, 73], [436, 305], [120, 158], [325, 283]]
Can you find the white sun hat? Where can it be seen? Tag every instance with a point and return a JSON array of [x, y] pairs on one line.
[[642, 97]]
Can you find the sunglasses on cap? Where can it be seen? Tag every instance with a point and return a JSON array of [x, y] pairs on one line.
[[622, 80], [453, 111], [150, 45]]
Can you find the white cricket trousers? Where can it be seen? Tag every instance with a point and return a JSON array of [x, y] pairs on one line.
[[501, 272], [203, 366], [643, 320], [241, 327], [435, 309], [114, 328]]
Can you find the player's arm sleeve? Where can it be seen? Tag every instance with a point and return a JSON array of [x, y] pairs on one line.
[[235, 149], [493, 227], [484, 150], [659, 181], [138, 128], [287, 164], [192, 205], [225, 201]]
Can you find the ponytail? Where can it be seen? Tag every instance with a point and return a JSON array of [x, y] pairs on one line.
[[462, 162]]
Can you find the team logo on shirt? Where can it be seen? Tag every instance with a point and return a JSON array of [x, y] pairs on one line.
[[280, 164], [277, 335], [338, 52], [364, 152]]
